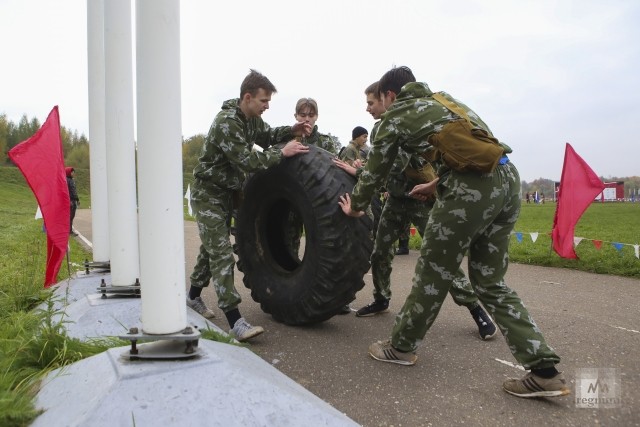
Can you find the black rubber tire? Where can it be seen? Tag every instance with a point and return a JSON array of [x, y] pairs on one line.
[[337, 247]]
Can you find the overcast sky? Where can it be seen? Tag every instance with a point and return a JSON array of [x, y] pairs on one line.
[[540, 73]]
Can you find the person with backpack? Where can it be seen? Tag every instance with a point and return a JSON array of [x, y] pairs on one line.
[[477, 206]]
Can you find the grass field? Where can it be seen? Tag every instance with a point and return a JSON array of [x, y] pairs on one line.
[[614, 226], [608, 223]]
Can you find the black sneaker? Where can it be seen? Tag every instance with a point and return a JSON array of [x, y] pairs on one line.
[[376, 307], [486, 328]]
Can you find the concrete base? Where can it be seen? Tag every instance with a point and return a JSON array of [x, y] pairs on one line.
[[224, 385]]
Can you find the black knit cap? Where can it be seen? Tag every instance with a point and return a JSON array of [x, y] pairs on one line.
[[358, 131]]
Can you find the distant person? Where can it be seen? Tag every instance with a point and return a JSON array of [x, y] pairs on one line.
[[352, 153], [73, 197], [528, 197], [403, 240], [226, 157], [473, 216]]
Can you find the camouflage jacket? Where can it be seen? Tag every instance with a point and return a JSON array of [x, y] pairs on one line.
[[398, 184], [321, 140], [228, 155], [407, 125], [351, 153]]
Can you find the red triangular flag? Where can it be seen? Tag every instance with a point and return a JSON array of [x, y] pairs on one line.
[[597, 244], [582, 185], [41, 162]]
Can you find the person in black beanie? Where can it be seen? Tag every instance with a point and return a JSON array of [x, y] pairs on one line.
[[351, 153]]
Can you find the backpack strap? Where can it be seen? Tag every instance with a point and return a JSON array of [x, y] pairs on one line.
[[451, 106]]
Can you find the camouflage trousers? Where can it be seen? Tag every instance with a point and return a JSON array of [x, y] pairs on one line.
[[213, 207], [473, 214], [397, 212]]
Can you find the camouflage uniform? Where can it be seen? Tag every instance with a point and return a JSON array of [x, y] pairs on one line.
[[399, 210], [351, 153], [226, 158], [293, 232], [326, 142], [474, 213]]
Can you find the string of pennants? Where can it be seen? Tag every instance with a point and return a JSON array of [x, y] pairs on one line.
[[576, 241]]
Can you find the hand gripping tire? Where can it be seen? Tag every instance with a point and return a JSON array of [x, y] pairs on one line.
[[337, 247]]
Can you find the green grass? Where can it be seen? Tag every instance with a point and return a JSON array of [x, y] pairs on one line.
[[32, 344], [608, 222]]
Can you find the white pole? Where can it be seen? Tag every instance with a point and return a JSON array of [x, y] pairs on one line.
[[98, 146], [160, 166], [121, 175]]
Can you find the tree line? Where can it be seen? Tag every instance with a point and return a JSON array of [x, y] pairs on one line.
[[76, 153], [75, 147]]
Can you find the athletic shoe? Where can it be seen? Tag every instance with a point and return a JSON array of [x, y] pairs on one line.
[[486, 328], [198, 305], [384, 352], [402, 251], [243, 331], [532, 385], [376, 307]]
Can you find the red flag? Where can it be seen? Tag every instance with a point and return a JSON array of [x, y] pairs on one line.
[[579, 185], [41, 162]]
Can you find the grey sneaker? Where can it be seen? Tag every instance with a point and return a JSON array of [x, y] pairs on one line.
[[384, 352], [198, 305], [243, 331], [532, 385]]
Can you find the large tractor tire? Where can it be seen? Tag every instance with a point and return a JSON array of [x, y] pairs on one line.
[[302, 289]]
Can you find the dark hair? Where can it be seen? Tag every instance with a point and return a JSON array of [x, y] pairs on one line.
[[395, 78], [254, 82], [373, 89]]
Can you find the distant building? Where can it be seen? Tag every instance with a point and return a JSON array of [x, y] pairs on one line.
[[613, 192]]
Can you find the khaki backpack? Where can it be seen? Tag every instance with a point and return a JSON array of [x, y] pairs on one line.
[[463, 147]]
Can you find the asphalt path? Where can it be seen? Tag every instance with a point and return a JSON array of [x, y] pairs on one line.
[[592, 321]]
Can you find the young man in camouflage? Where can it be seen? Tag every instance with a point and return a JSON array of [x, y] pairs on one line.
[[227, 156], [401, 209], [351, 154], [474, 213], [307, 111]]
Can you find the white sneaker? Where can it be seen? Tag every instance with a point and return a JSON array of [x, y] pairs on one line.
[[198, 305], [243, 331]]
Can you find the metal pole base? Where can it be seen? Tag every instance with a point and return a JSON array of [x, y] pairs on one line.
[[181, 345], [123, 291]]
